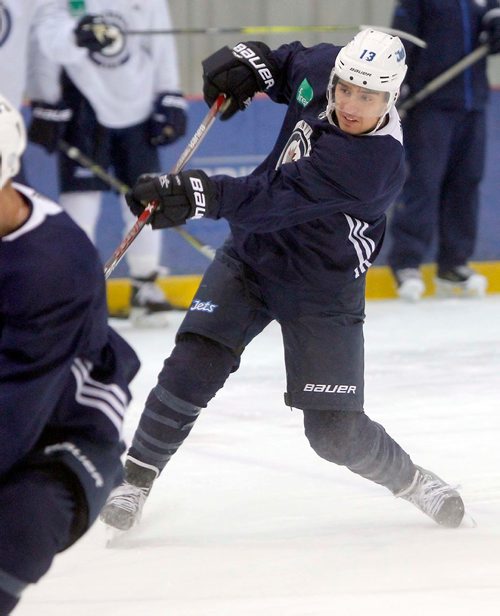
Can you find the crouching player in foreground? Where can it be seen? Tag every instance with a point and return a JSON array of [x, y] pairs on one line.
[[64, 378], [305, 227]]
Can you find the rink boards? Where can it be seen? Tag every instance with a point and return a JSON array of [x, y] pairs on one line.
[[236, 148]]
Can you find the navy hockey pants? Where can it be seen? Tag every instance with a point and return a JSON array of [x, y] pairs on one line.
[[440, 199], [208, 349], [127, 150], [37, 509]]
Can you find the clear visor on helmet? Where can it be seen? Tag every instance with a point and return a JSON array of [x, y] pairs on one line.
[[356, 101]]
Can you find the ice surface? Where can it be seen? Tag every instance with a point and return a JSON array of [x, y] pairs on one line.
[[247, 521]]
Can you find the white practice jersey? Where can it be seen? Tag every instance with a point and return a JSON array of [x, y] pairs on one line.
[[122, 81], [17, 18]]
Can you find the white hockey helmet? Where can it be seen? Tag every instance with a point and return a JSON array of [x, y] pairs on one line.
[[12, 140], [373, 60]]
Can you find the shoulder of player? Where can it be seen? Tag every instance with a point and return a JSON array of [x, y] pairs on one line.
[[387, 141], [49, 259], [47, 218]]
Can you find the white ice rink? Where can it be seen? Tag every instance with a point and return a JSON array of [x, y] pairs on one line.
[[247, 521]]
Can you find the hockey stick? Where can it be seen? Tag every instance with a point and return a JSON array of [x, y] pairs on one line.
[[78, 156], [244, 30], [444, 78], [278, 30], [190, 149]]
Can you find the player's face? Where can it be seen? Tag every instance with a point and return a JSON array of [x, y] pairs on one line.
[[357, 109]]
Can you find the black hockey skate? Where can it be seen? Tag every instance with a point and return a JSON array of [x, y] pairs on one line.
[[123, 509], [148, 304], [460, 281], [435, 498], [410, 283]]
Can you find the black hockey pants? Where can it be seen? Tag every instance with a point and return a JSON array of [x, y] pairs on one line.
[[199, 367]]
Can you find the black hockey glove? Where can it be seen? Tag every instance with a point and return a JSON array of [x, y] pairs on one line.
[[168, 121], [189, 194], [48, 124], [95, 33], [239, 73], [491, 32]]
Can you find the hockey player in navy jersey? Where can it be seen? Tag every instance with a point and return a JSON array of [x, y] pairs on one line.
[[445, 140], [64, 378], [305, 227], [19, 53]]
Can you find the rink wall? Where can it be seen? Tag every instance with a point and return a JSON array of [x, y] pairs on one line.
[[235, 148]]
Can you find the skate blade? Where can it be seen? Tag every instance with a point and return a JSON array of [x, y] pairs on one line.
[[141, 319], [114, 536], [472, 289], [411, 290], [468, 521]]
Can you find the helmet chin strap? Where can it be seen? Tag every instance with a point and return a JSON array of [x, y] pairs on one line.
[[378, 124], [389, 105]]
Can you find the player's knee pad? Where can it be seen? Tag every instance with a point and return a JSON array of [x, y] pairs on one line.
[[191, 376], [197, 368], [335, 435]]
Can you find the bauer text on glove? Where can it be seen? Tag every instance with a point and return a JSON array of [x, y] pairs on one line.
[[48, 124], [189, 194], [239, 73]]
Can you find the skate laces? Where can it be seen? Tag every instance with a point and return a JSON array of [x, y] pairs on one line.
[[129, 497], [428, 493]]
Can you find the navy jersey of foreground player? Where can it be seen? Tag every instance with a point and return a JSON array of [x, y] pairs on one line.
[[314, 209], [63, 390], [50, 315]]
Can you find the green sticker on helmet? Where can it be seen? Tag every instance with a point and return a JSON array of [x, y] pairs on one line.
[[305, 93]]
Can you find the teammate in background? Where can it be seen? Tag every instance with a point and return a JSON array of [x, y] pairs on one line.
[[306, 225], [445, 145], [64, 378], [119, 101], [18, 54], [16, 20]]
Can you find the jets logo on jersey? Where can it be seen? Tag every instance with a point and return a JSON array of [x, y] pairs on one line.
[[203, 306], [298, 146], [116, 52], [5, 23]]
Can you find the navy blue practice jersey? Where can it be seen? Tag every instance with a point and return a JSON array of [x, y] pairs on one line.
[[312, 214], [54, 336], [445, 47]]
